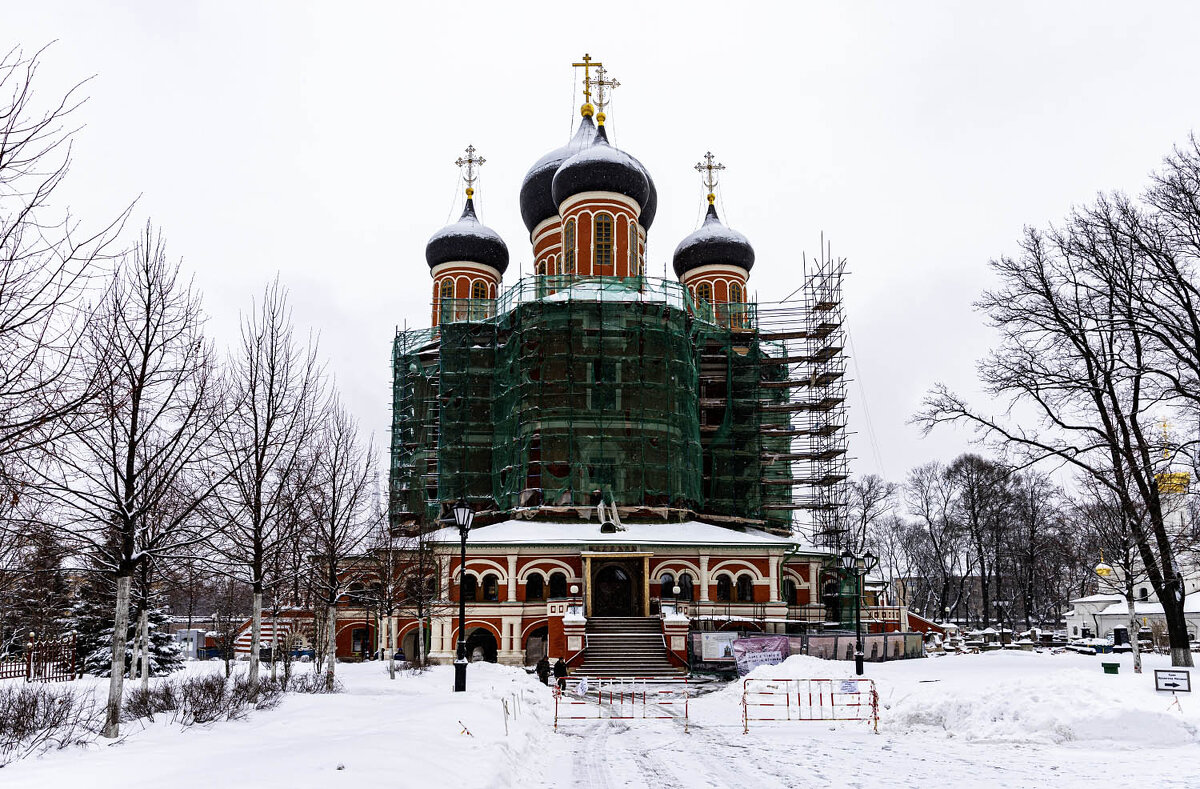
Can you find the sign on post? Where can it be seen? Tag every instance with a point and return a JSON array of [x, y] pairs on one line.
[[1174, 681]]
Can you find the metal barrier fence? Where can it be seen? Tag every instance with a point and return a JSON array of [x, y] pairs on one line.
[[810, 700], [623, 698], [43, 661]]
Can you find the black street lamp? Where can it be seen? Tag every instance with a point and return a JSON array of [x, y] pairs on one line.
[[860, 566], [463, 517]]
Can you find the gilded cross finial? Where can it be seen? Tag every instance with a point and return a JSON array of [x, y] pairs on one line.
[[470, 165], [603, 87], [587, 65], [709, 173]]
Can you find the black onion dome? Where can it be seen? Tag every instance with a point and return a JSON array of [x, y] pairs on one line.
[[601, 168], [468, 240], [537, 205], [646, 218], [713, 244]]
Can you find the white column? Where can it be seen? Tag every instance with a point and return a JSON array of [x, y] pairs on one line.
[[512, 578], [704, 579], [773, 576]]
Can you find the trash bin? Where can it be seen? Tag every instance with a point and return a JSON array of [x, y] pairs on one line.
[[1111, 668]]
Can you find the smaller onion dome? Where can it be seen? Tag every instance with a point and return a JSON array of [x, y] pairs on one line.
[[601, 168], [537, 204], [467, 240], [713, 244]]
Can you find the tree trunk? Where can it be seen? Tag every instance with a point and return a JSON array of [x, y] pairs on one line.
[[274, 644], [1133, 634], [144, 640], [1177, 632], [391, 650], [331, 647], [112, 713], [255, 637]]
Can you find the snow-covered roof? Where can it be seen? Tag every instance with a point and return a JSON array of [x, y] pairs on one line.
[[1191, 605], [585, 532], [1097, 598]]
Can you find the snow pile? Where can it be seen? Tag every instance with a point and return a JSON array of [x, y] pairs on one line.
[[1001, 696]]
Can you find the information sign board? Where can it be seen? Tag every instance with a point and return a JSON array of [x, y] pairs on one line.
[[1174, 680]]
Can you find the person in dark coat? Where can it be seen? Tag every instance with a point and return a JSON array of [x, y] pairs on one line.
[[560, 673], [543, 670]]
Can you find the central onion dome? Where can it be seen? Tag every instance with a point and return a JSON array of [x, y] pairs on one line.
[[537, 205], [601, 168], [467, 240], [713, 244], [537, 190]]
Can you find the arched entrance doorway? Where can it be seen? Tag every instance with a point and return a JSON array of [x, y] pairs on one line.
[[616, 590], [481, 645]]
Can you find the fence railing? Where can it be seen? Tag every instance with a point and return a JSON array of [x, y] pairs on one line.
[[46, 660], [622, 698], [853, 699]]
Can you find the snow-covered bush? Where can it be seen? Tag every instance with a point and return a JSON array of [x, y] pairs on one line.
[[39, 718]]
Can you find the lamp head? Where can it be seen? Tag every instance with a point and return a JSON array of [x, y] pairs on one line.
[[870, 561], [675, 590], [574, 590], [847, 557], [463, 514]]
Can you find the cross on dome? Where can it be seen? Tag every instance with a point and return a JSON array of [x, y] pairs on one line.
[[603, 87], [709, 174], [470, 166], [587, 65]]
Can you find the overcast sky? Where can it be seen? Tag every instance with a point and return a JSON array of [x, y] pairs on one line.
[[318, 140]]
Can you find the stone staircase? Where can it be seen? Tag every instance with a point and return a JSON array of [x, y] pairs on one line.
[[626, 647]]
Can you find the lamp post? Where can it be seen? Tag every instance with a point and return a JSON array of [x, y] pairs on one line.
[[859, 566], [463, 517]]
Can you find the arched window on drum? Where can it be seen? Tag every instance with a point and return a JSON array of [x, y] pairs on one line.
[[633, 251], [602, 246], [479, 297], [569, 247], [447, 305]]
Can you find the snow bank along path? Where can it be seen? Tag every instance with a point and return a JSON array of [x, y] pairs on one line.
[[1011, 696]]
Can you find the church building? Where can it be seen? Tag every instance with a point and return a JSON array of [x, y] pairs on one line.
[[645, 458]]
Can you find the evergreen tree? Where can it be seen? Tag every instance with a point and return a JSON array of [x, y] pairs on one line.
[[91, 619]]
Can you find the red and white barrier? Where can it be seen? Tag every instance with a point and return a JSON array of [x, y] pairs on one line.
[[622, 698], [810, 700]]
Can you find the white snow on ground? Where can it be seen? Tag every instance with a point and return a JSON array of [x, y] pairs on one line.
[[1001, 719]]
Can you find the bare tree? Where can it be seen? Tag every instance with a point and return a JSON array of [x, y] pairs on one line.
[[932, 498], [1108, 529], [871, 499], [1075, 352], [275, 401], [46, 264], [131, 477], [341, 514], [983, 509]]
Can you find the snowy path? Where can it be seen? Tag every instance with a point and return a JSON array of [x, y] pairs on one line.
[[654, 755]]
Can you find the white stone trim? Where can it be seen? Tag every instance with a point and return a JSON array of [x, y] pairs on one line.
[[719, 269], [482, 268], [584, 197]]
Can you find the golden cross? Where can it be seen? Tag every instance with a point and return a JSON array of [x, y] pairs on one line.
[[587, 66], [470, 164], [708, 173]]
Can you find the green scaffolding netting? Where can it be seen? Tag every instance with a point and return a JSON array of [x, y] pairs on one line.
[[567, 390]]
